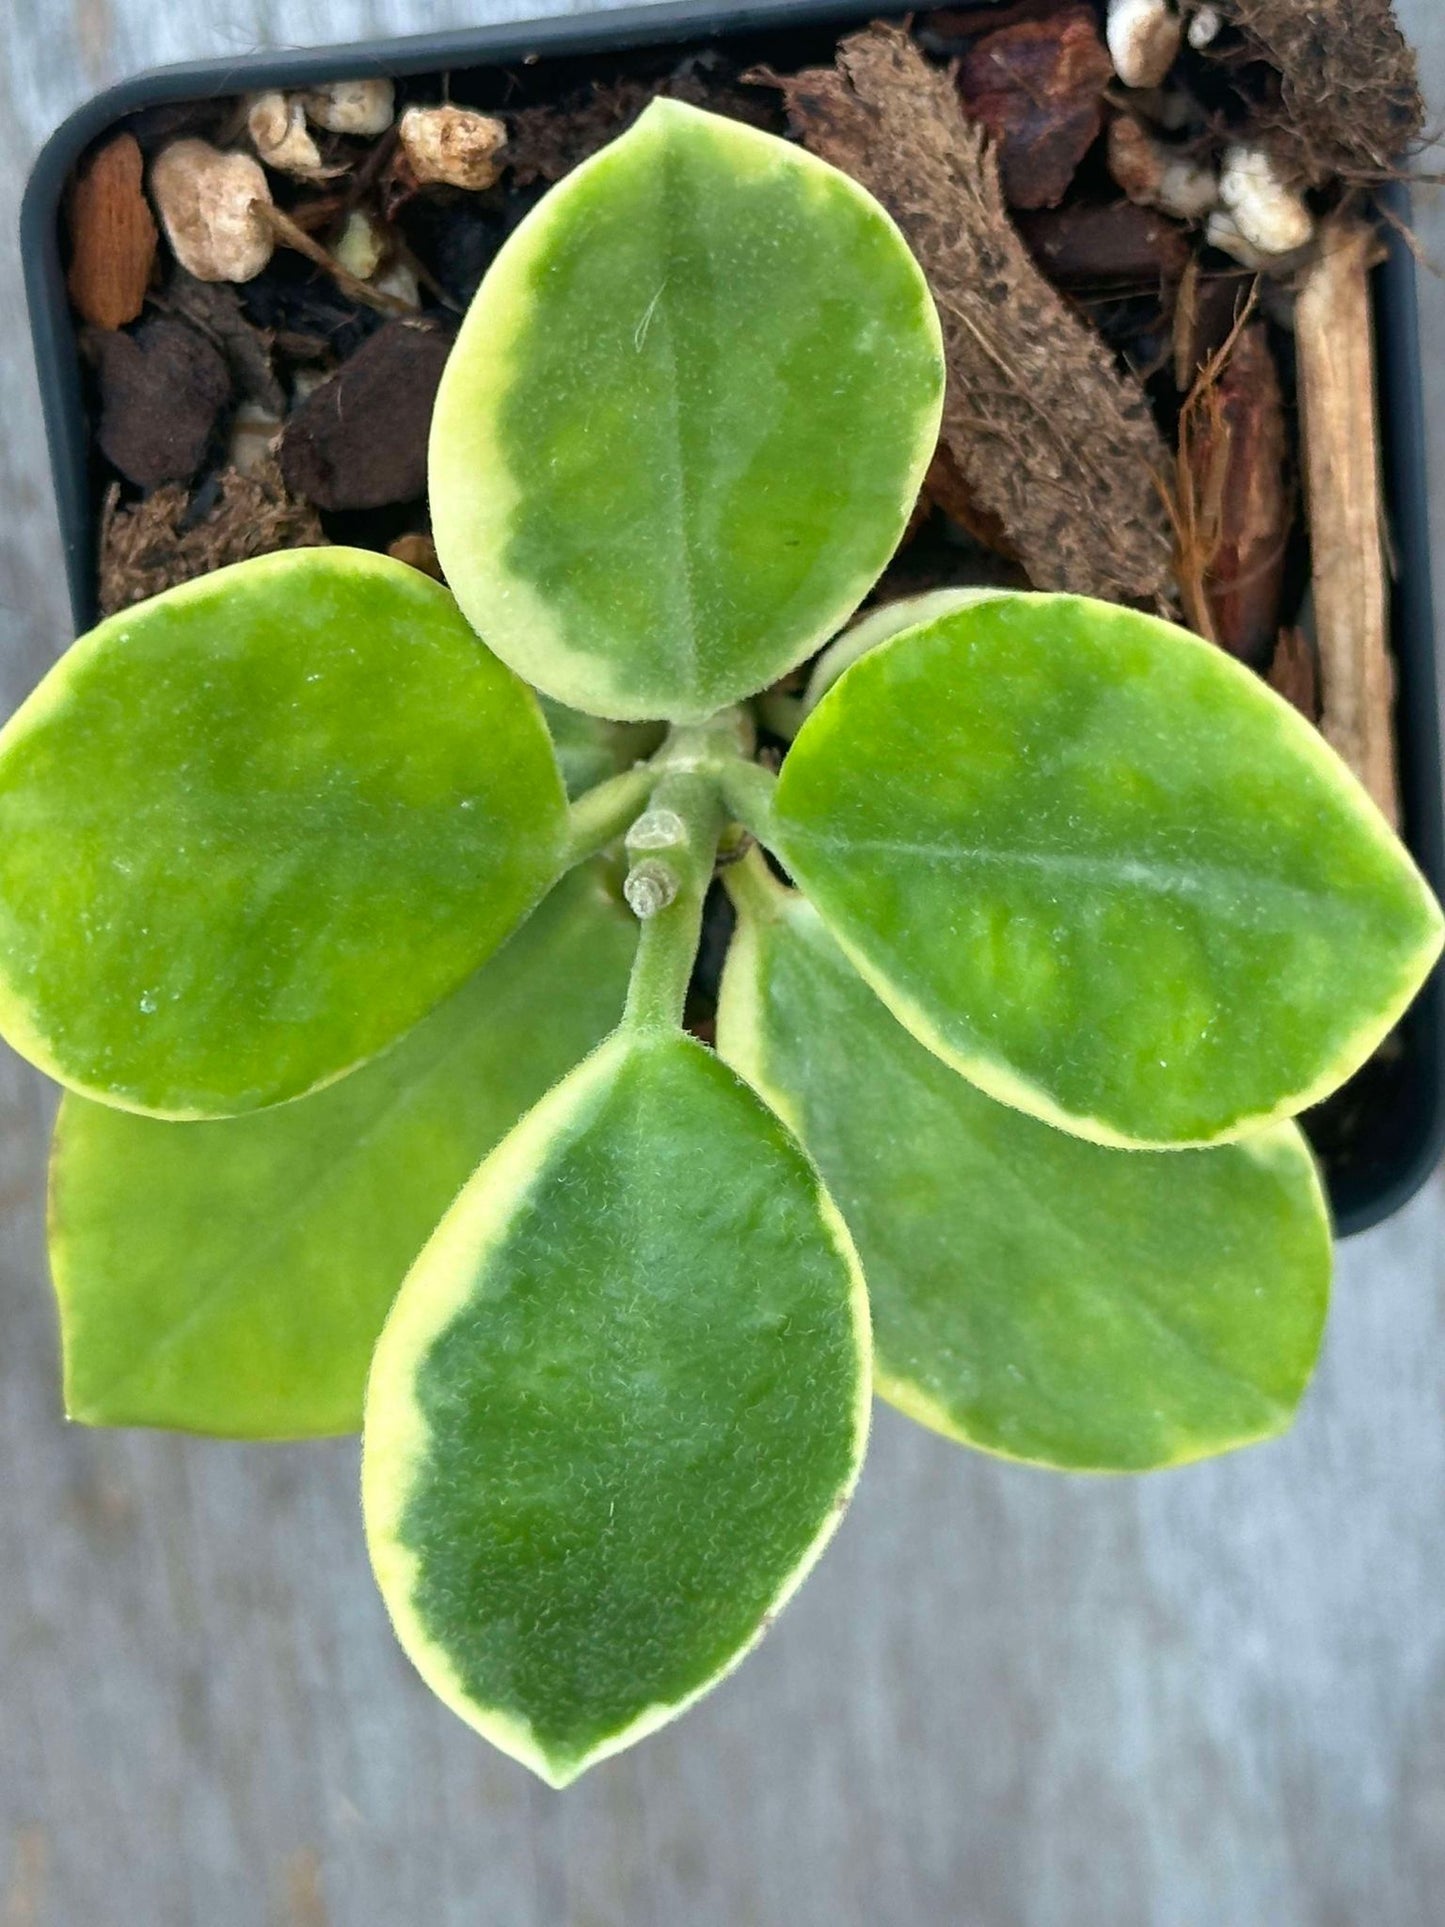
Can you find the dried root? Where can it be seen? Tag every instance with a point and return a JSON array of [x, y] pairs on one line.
[[1350, 100]]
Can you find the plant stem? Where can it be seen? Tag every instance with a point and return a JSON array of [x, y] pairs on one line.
[[754, 890], [673, 810], [783, 715], [747, 790], [684, 866], [603, 814]]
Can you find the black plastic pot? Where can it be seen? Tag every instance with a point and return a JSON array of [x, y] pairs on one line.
[[1395, 1130]]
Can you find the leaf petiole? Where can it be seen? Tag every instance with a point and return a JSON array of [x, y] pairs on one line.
[[672, 812], [601, 815], [747, 790], [754, 890], [782, 714]]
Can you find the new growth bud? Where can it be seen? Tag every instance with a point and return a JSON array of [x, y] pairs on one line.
[[650, 886], [657, 830]]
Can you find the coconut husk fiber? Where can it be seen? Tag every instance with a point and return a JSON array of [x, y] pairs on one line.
[[1053, 441], [173, 537], [1349, 101]]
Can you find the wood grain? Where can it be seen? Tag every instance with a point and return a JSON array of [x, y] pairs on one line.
[[1215, 1698], [1344, 495]]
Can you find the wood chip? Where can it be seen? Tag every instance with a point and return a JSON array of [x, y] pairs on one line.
[[1206, 309], [1334, 340], [1084, 247], [175, 536], [951, 30], [1038, 87], [1239, 508], [1294, 672], [112, 236], [1050, 437]]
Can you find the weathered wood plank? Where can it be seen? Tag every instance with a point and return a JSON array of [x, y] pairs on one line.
[[1212, 1699]]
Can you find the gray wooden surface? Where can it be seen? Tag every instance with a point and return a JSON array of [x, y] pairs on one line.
[[1211, 1699]]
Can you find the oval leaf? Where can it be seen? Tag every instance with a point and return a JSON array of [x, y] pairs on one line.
[[231, 1277], [1103, 871], [1032, 1294], [685, 421], [252, 830], [617, 1408]]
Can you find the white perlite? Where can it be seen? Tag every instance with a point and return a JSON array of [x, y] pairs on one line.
[[207, 203], [1144, 39], [1270, 215], [452, 146], [351, 106]]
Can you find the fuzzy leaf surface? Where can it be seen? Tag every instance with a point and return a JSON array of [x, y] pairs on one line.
[[252, 830], [617, 1408], [231, 1276], [685, 420], [1033, 1294], [1100, 869]]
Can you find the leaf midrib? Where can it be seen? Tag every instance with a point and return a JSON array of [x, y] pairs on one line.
[[659, 318], [1130, 871]]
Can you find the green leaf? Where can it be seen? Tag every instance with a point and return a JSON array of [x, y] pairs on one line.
[[1103, 871], [881, 625], [1033, 1294], [231, 1277], [252, 830], [685, 421], [617, 1409]]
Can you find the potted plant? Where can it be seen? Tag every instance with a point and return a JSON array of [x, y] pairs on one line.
[[559, 88], [999, 1114]]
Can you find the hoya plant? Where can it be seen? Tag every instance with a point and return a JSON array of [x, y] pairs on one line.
[[380, 1109]]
